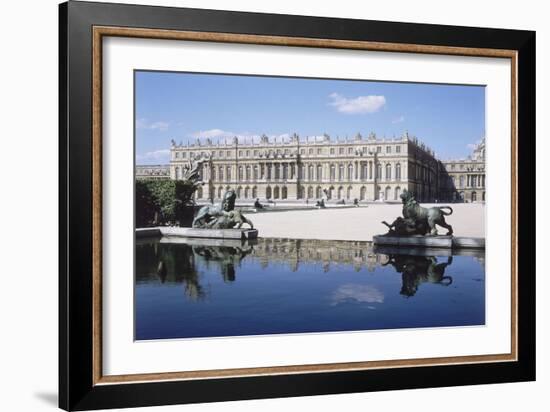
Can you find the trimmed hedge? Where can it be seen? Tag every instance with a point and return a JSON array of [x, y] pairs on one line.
[[164, 202]]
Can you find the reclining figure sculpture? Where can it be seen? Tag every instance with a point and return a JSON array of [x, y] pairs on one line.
[[221, 217]]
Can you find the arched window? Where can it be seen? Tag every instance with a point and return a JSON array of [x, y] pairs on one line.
[[310, 192], [397, 193], [474, 196], [301, 192], [283, 192], [213, 174], [318, 192], [254, 192], [461, 182], [378, 171], [220, 192], [241, 174], [388, 172], [246, 192], [332, 173], [483, 196], [220, 170], [388, 193], [239, 192], [255, 175], [268, 192], [247, 173], [276, 192], [398, 171], [350, 172], [228, 173], [277, 172], [348, 194], [363, 193], [341, 173], [340, 192], [310, 172], [319, 172]]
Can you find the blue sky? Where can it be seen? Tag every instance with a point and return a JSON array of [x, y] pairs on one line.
[[187, 106]]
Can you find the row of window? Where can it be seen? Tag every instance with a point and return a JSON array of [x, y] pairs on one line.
[[473, 197], [286, 152], [284, 171], [469, 181], [310, 193]]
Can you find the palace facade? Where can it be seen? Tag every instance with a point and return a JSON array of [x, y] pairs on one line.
[[366, 169], [153, 172], [464, 179]]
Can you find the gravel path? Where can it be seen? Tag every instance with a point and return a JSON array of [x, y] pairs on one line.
[[360, 223]]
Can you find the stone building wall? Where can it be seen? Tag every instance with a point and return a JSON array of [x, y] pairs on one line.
[[365, 169], [302, 169]]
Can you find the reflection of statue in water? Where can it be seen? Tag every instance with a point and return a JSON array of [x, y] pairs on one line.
[[221, 217], [161, 271], [176, 263], [419, 269], [227, 256], [418, 220]]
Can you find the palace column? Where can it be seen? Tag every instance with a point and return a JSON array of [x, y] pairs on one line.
[[370, 170], [273, 171]]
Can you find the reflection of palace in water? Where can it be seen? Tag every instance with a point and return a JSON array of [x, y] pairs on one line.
[[328, 253], [184, 261]]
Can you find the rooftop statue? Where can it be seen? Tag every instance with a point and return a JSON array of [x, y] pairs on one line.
[[418, 220], [221, 217]]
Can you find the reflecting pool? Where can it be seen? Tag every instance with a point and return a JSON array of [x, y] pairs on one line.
[[188, 288]]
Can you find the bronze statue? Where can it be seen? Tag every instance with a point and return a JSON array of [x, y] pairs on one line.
[[418, 220], [221, 217]]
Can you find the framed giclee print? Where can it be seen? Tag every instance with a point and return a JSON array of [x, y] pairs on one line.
[[257, 205]]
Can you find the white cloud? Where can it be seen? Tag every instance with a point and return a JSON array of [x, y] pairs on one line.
[[145, 124], [358, 293], [399, 119], [357, 105], [161, 156]]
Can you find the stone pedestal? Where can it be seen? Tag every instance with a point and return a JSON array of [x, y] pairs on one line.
[[418, 241], [198, 233], [414, 241]]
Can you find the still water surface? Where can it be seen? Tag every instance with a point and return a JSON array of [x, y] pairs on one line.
[[192, 288]]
